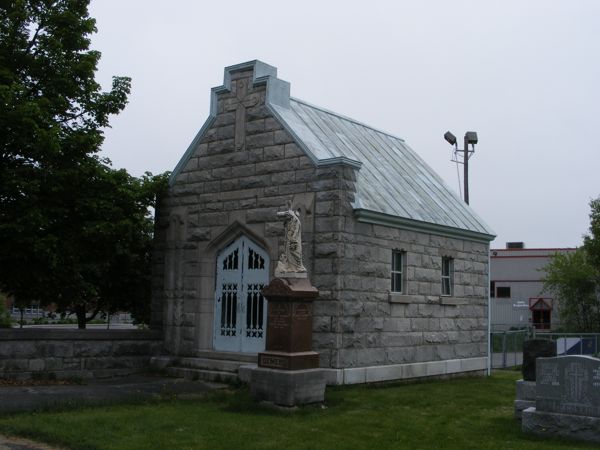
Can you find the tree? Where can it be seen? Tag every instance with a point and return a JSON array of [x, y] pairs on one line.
[[126, 281], [574, 278], [591, 242], [66, 218], [105, 256], [573, 281]]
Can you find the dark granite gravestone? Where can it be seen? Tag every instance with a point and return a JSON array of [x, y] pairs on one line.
[[532, 349], [567, 398], [289, 325], [525, 388], [288, 371]]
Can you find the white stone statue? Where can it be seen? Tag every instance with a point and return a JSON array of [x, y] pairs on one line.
[[290, 260]]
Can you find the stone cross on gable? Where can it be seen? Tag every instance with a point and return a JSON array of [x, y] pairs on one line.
[[239, 104]]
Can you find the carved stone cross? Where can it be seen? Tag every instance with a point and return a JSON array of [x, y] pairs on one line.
[[576, 383], [242, 101]]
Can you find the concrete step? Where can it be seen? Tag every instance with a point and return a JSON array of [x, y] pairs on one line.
[[221, 365], [202, 374], [251, 358], [207, 366]]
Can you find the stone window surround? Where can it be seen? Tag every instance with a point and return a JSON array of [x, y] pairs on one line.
[[404, 298]]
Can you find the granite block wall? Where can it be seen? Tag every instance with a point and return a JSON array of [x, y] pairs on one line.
[[373, 326], [26, 353]]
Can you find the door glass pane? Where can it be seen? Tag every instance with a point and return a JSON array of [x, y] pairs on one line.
[[228, 309]]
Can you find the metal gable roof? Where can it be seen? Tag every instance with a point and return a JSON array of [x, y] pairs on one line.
[[395, 187], [392, 180]]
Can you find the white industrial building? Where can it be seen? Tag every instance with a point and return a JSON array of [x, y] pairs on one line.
[[516, 285]]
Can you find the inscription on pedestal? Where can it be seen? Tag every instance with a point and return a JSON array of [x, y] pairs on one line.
[[302, 311], [273, 361], [596, 378], [548, 375], [289, 361], [279, 316]]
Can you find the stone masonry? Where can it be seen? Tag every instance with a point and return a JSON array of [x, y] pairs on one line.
[[71, 353], [234, 184]]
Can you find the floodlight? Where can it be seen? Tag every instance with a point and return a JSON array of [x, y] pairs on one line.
[[450, 138], [471, 137]]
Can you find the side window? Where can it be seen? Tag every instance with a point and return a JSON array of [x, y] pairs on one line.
[[492, 289], [503, 292], [398, 272], [447, 276]]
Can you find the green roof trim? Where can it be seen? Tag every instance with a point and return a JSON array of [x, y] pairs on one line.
[[377, 218]]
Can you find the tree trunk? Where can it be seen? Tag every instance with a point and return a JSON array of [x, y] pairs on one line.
[[80, 311]]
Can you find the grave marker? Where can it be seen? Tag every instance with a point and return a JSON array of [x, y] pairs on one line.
[[567, 398]]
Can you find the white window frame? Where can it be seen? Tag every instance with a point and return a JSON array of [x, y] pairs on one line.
[[398, 273], [447, 276]]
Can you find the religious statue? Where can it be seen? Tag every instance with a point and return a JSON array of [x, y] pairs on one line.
[[290, 260]]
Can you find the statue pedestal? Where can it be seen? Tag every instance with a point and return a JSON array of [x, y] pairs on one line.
[[288, 370]]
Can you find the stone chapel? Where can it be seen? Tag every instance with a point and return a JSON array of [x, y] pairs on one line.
[[400, 261]]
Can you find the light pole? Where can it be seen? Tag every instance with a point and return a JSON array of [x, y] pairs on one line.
[[470, 138]]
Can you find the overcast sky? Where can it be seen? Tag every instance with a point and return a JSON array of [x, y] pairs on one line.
[[525, 75]]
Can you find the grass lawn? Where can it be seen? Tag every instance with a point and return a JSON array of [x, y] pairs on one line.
[[471, 413]]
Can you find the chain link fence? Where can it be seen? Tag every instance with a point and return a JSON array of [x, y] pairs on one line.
[[507, 347], [573, 343]]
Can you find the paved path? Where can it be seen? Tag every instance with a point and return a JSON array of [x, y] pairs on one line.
[[112, 390], [107, 391], [13, 443]]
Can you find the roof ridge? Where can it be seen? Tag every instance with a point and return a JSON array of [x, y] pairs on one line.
[[349, 119]]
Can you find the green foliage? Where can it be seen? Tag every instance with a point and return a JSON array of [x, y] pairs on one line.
[[5, 321], [591, 242], [574, 278], [470, 413], [71, 227], [117, 219]]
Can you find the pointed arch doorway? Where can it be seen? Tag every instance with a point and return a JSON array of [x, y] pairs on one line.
[[240, 319]]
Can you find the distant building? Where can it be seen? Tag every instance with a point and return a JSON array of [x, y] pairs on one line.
[[516, 284]]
